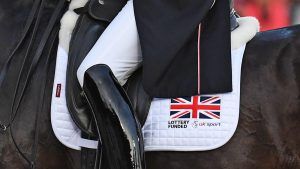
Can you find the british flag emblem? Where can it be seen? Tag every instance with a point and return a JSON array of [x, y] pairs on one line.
[[196, 107]]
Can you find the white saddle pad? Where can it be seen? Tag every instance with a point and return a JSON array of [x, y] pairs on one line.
[[197, 123], [164, 130]]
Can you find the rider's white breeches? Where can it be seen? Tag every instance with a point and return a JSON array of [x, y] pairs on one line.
[[118, 47]]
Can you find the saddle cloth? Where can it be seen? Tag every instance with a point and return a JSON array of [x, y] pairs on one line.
[[196, 123], [156, 132]]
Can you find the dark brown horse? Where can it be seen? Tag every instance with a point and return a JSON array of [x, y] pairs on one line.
[[268, 132]]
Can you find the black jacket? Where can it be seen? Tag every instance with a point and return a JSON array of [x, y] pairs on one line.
[[168, 31]]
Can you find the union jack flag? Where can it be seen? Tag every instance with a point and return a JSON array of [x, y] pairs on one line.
[[196, 107]]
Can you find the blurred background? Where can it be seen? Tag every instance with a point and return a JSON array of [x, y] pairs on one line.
[[271, 13]]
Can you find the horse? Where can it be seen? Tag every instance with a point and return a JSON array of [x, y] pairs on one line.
[[266, 135]]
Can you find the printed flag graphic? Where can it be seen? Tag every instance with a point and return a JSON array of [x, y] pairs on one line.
[[196, 107]]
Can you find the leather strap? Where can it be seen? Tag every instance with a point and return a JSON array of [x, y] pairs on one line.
[[12, 117], [39, 50], [52, 47], [37, 6], [37, 56], [90, 158], [28, 24]]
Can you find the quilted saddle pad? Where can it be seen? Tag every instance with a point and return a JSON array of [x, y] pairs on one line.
[[196, 123]]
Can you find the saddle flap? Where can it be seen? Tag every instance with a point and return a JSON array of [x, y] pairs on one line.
[[105, 10], [140, 100]]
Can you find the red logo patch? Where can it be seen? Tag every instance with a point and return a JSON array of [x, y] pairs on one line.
[[58, 90]]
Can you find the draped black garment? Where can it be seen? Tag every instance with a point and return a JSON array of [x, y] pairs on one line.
[[173, 64]]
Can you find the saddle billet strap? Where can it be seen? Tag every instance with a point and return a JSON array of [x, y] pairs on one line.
[[45, 38], [29, 22]]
